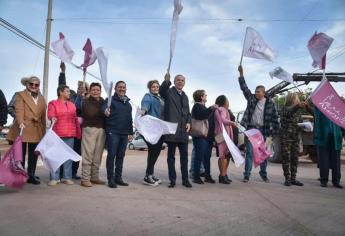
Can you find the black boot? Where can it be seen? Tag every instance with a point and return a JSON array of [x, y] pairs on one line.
[[287, 182], [121, 182], [186, 183], [296, 182], [111, 183], [223, 180], [33, 180], [197, 180], [209, 179]]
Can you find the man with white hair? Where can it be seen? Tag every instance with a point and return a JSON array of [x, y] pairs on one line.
[[176, 110]]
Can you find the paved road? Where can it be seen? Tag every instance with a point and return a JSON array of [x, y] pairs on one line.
[[255, 208]]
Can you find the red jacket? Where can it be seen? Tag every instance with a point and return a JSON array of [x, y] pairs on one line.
[[67, 125]]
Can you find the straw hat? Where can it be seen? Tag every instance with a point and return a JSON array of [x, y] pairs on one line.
[[29, 79]]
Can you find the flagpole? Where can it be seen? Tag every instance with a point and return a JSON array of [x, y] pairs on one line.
[[84, 79], [245, 36], [46, 51]]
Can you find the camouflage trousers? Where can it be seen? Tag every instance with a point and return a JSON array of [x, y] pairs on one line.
[[289, 151]]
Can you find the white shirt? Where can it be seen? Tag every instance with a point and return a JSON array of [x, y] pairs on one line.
[[258, 115]]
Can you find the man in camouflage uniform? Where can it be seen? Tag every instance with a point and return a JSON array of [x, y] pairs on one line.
[[289, 141]]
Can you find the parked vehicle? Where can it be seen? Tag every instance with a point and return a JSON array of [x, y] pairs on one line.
[[138, 143]]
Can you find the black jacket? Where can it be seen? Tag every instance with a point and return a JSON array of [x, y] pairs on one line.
[[3, 109], [120, 120], [176, 110]]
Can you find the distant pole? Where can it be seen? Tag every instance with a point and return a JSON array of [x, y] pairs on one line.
[[46, 51]]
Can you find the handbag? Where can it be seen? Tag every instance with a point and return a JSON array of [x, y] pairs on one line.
[[219, 138], [199, 128]]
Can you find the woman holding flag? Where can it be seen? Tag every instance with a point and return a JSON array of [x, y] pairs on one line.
[[30, 108], [222, 119], [63, 114], [152, 104]]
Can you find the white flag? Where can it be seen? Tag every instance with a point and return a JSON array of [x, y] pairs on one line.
[[102, 58], [280, 73], [177, 10], [62, 49], [54, 151], [235, 152], [152, 128], [254, 46]]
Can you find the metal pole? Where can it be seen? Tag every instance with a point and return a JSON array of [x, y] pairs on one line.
[[46, 51]]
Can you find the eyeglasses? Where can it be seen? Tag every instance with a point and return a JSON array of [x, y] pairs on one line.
[[34, 85]]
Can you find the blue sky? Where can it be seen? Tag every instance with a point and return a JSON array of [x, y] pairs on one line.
[[207, 52]]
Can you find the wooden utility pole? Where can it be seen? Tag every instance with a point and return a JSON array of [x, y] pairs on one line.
[[46, 51]]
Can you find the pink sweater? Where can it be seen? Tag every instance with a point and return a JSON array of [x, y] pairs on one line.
[[223, 117]]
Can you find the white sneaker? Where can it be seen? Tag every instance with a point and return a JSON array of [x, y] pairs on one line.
[[53, 182], [68, 182]]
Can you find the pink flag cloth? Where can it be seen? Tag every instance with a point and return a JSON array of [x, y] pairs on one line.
[[12, 173], [318, 46], [90, 55], [62, 49], [260, 151], [326, 99]]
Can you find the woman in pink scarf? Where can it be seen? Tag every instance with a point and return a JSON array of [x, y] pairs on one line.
[[222, 117]]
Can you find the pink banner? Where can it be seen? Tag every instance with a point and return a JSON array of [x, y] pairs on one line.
[[12, 174], [318, 46], [260, 151], [326, 99]]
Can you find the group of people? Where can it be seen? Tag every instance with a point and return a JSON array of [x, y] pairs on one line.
[[86, 122]]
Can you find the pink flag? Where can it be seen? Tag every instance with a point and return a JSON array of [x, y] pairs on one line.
[[260, 151], [12, 174], [62, 49], [318, 46], [90, 55], [326, 99]]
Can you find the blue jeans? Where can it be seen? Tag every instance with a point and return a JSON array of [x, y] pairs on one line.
[[203, 149], [191, 170], [116, 147], [249, 161], [67, 165]]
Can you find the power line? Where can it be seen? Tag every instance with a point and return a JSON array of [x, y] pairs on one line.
[[33, 41], [161, 20]]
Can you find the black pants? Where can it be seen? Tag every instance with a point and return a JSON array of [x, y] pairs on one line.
[[329, 158], [183, 148], [32, 158], [152, 156], [77, 149]]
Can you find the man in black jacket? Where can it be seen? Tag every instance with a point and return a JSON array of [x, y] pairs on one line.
[[176, 110], [3, 110]]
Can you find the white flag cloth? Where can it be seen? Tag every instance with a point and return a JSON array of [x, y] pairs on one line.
[[102, 58], [280, 73], [54, 151], [153, 128], [307, 126], [62, 49], [177, 10], [318, 45], [235, 152], [254, 46]]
